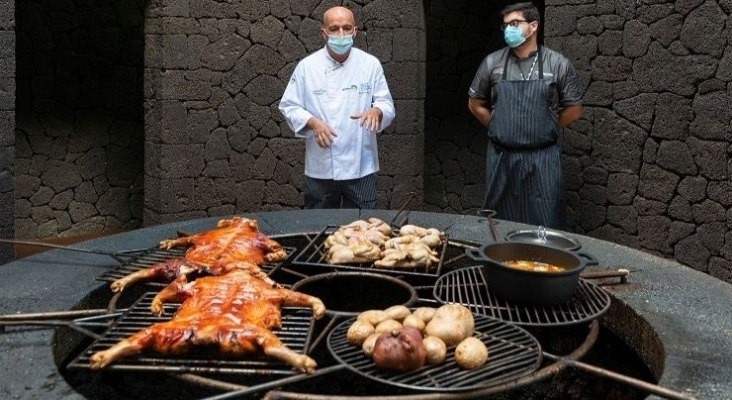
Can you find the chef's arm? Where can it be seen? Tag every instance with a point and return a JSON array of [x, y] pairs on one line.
[[292, 105], [569, 115], [480, 109]]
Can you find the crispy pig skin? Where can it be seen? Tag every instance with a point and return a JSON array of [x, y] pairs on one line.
[[234, 311], [235, 243]]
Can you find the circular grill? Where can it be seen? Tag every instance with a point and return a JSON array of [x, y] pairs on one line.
[[468, 286], [512, 353]]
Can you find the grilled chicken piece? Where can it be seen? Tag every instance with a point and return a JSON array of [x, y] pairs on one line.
[[408, 255], [236, 243], [234, 311]]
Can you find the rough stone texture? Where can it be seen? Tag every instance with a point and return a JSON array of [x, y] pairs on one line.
[[79, 134], [663, 68], [7, 127]]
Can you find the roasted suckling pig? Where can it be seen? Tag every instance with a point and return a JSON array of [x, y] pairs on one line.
[[234, 311], [236, 243]]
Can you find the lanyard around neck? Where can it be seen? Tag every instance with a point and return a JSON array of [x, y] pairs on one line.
[[533, 64]]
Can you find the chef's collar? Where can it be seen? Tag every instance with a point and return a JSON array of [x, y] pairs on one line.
[[513, 53], [333, 60]]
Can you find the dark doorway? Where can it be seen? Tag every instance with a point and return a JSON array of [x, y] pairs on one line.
[[459, 35], [79, 121]]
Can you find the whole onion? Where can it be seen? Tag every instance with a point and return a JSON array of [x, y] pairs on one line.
[[400, 350]]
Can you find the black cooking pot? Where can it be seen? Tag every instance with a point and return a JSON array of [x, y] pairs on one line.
[[531, 287]]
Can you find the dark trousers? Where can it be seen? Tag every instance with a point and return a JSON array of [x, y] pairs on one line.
[[352, 193]]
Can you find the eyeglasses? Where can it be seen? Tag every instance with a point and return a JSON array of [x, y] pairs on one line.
[[515, 23]]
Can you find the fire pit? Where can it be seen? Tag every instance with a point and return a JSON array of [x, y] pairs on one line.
[[644, 332]]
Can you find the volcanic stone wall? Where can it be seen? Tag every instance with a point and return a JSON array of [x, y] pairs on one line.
[[7, 126], [79, 137], [214, 73], [648, 165]]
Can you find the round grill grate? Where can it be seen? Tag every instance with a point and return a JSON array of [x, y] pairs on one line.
[[468, 286], [512, 353]]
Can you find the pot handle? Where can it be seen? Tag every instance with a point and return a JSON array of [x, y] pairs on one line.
[[589, 258], [473, 254]]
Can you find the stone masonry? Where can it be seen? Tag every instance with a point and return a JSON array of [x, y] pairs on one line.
[[647, 165], [79, 137], [214, 73], [7, 126]]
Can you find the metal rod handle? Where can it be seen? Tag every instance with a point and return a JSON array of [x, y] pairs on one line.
[[621, 273], [637, 383]]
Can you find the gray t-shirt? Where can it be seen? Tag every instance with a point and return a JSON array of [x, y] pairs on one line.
[[558, 71]]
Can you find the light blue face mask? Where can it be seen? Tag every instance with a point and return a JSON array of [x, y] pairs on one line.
[[340, 44], [513, 36]]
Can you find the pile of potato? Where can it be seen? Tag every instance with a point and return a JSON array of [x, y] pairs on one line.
[[402, 340]]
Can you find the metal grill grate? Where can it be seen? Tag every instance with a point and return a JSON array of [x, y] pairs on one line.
[[314, 255], [295, 333], [512, 353], [468, 286], [156, 255]]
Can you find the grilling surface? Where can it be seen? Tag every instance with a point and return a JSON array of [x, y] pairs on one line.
[[512, 353], [315, 255], [156, 255], [469, 287], [295, 333]]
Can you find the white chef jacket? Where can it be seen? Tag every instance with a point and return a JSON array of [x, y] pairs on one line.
[[324, 88]]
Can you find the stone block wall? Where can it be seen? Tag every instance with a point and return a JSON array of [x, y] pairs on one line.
[[7, 127], [648, 165], [216, 143], [79, 134]]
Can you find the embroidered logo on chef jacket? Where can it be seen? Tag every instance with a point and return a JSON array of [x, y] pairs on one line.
[[318, 92], [351, 88], [365, 88]]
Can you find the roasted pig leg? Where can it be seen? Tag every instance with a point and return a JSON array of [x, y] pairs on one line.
[[171, 269], [234, 311]]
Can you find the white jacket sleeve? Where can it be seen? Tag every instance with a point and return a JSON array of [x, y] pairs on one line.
[[382, 99], [293, 102]]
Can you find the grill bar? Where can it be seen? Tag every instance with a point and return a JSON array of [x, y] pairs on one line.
[[468, 286], [513, 353], [295, 333], [156, 255]]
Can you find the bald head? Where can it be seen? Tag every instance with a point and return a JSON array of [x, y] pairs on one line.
[[338, 23], [338, 13]]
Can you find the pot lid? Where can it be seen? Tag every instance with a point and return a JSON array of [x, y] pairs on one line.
[[545, 237]]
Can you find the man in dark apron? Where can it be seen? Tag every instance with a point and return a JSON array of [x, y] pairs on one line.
[[525, 94]]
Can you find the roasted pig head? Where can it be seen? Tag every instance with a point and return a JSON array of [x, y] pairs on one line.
[[235, 243]]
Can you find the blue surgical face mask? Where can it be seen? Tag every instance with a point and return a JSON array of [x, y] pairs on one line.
[[513, 36], [340, 44]]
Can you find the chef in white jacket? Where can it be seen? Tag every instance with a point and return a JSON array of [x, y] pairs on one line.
[[337, 100]]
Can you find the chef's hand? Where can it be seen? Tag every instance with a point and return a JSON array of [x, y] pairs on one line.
[[369, 119], [323, 133]]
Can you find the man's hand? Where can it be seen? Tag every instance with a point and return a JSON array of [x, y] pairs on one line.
[[369, 119], [323, 133]]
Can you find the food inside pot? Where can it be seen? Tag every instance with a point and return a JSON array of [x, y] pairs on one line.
[[535, 266]]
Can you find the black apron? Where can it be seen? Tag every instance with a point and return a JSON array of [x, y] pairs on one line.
[[523, 165]]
